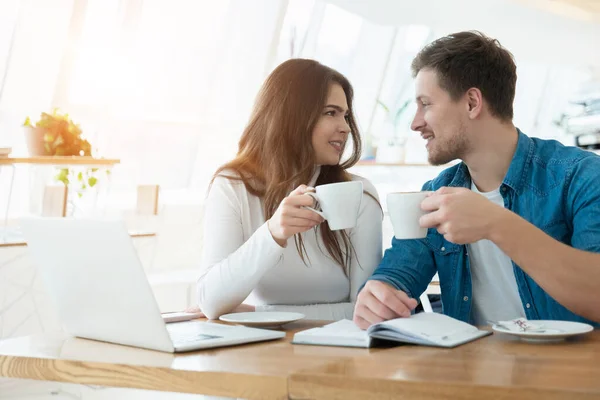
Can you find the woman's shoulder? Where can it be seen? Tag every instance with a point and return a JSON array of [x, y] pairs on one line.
[[367, 185], [227, 176], [230, 181]]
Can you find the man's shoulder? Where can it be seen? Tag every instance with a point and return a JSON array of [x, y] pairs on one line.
[[558, 163], [547, 152], [551, 165]]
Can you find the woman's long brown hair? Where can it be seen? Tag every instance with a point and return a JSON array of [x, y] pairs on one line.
[[275, 152]]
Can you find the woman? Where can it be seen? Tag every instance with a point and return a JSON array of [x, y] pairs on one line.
[[261, 246]]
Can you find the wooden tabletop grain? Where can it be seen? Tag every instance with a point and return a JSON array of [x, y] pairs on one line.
[[495, 367]]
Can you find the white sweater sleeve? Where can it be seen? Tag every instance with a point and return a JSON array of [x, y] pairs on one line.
[[231, 268], [366, 240]]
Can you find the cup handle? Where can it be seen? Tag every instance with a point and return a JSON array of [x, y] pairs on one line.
[[314, 196]]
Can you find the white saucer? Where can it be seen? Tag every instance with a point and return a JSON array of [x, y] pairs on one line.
[[553, 331], [262, 319]]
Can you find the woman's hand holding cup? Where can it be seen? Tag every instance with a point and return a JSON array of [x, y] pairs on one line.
[[291, 218]]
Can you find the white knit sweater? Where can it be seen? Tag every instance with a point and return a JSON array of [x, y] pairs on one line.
[[242, 262]]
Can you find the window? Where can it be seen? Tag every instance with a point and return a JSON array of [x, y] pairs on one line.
[[155, 82], [8, 19], [375, 58], [153, 62]]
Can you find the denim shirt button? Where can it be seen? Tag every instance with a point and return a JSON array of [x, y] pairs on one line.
[[528, 305], [443, 248], [466, 298]]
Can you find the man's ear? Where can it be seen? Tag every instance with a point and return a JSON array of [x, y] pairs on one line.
[[474, 102]]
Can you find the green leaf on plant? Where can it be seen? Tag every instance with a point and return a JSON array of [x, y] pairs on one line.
[[62, 135], [92, 181], [63, 176], [79, 194], [80, 176], [401, 110], [382, 104]]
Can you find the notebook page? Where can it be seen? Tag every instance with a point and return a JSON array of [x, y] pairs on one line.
[[341, 328], [388, 334], [340, 333], [428, 326]]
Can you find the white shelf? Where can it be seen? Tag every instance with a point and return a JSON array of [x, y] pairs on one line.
[[377, 164]]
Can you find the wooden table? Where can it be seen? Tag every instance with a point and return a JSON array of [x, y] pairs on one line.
[[495, 367], [253, 371]]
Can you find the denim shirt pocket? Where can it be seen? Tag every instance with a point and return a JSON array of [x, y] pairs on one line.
[[446, 256]]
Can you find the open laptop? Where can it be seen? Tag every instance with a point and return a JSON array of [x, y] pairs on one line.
[[91, 269]]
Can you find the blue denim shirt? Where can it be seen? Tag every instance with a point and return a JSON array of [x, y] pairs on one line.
[[554, 187]]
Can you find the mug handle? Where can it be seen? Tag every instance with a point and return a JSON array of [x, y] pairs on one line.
[[314, 196]]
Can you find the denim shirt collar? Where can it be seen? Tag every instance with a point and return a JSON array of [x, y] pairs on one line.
[[519, 166], [517, 171], [462, 178]]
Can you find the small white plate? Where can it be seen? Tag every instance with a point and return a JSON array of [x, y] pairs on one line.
[[262, 319], [553, 331]]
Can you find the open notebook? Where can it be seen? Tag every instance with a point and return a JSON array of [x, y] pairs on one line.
[[430, 329]]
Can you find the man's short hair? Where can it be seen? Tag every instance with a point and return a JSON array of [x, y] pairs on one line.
[[470, 59]]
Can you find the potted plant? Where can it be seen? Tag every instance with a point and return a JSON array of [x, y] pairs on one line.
[[55, 134], [391, 143]]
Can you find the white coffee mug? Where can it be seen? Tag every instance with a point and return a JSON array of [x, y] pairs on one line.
[[405, 211], [338, 203]]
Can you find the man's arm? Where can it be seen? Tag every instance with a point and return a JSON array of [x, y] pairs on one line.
[[405, 271], [408, 266], [569, 275], [403, 274]]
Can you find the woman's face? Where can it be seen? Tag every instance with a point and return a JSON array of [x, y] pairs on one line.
[[332, 129]]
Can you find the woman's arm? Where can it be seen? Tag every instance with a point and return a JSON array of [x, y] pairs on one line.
[[366, 240], [231, 268]]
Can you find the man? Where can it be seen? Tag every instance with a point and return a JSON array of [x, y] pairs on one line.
[[514, 229]]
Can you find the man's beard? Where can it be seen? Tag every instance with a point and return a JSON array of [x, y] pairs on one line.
[[451, 150]]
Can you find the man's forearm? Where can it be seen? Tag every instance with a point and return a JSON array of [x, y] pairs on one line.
[[571, 276]]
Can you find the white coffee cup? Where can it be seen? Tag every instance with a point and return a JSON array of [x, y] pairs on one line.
[[338, 203], [405, 211]]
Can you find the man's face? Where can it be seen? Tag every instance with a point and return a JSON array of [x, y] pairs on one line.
[[440, 120]]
